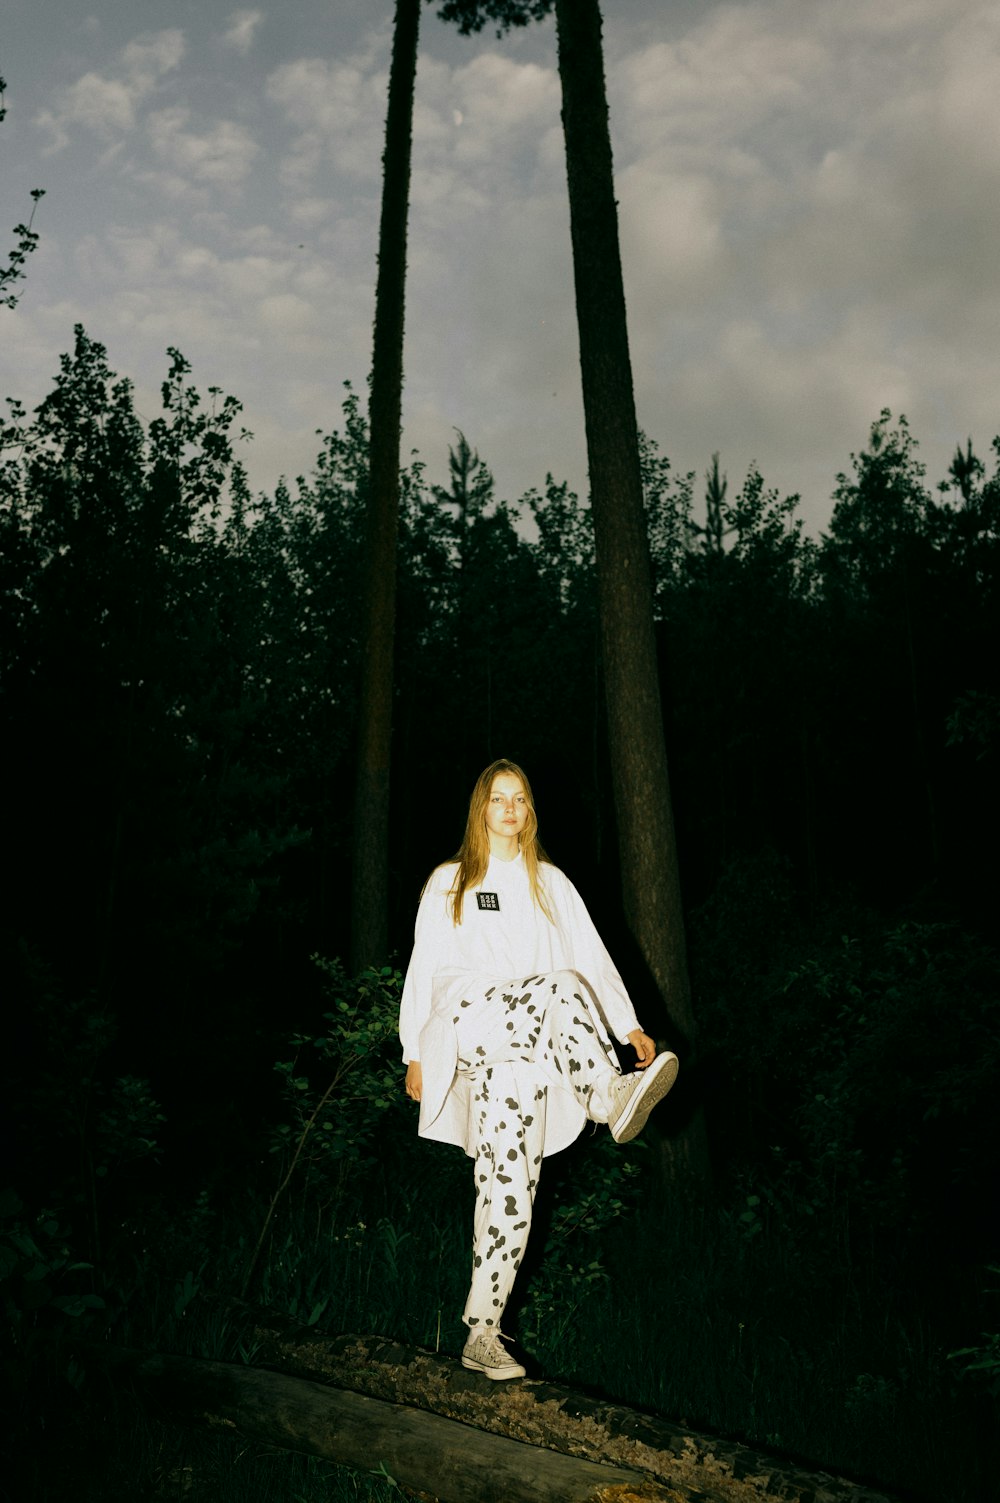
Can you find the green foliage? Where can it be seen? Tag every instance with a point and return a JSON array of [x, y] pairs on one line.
[[669, 520], [127, 1125], [874, 1052], [131, 649], [131, 1453], [882, 508], [339, 1085], [832, 713], [904, 1053], [471, 16], [39, 1275], [337, 1088], [965, 470], [715, 530], [26, 238], [982, 1360], [592, 1190], [79, 1125], [198, 647], [975, 722]]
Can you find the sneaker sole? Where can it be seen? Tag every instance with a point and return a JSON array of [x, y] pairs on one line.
[[497, 1374], [662, 1074]]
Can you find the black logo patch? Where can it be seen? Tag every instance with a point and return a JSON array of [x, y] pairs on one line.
[[489, 900]]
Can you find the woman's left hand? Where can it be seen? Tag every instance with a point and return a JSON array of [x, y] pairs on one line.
[[644, 1046]]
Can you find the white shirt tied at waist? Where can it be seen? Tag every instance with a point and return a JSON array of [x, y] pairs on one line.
[[497, 943]]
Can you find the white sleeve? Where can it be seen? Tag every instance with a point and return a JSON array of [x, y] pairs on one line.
[[591, 959], [433, 933]]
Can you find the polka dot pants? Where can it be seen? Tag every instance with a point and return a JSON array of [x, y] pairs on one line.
[[516, 1041]]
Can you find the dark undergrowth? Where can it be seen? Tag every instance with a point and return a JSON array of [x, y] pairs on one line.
[[834, 1301], [765, 1338]]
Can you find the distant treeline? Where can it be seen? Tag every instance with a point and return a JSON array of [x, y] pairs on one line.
[[179, 661]]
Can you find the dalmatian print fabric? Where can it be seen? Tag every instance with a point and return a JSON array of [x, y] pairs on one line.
[[517, 1040]]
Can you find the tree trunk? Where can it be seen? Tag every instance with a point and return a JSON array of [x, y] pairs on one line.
[[650, 880], [443, 1430], [435, 1457], [370, 887]]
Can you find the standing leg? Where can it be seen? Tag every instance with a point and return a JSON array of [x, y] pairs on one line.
[[508, 1105], [513, 1040]]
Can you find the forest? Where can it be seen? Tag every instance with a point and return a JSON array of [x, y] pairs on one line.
[[202, 1089], [179, 672]]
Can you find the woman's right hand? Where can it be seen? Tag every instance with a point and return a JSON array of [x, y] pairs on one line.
[[414, 1080]]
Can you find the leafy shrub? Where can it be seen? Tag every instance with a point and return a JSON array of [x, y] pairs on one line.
[[982, 1360], [36, 1272], [338, 1087], [871, 1047]]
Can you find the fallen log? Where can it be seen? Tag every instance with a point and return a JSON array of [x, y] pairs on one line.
[[543, 1415], [423, 1452]]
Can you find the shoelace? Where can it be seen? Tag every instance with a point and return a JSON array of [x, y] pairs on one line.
[[493, 1343]]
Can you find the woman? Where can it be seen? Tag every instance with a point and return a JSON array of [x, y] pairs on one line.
[[504, 1021]]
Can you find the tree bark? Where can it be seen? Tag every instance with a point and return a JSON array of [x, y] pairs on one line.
[[650, 879], [424, 1416], [370, 887]]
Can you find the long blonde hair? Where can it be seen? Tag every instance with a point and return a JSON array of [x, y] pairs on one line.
[[474, 853]]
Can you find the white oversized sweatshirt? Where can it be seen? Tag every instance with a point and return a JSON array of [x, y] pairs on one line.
[[503, 935]]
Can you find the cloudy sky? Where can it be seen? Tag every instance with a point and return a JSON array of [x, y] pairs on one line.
[[810, 215]]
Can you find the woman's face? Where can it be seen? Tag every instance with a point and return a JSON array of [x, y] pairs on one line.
[[506, 807]]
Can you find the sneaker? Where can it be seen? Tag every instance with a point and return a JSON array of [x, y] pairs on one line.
[[634, 1096], [487, 1354]]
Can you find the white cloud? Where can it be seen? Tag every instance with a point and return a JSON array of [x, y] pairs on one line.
[[500, 97], [309, 212], [149, 57], [109, 106], [131, 255], [338, 109], [220, 155], [810, 204], [672, 233], [103, 105], [241, 30]]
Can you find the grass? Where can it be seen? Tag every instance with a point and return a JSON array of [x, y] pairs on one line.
[[775, 1331], [838, 1368], [131, 1455]]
